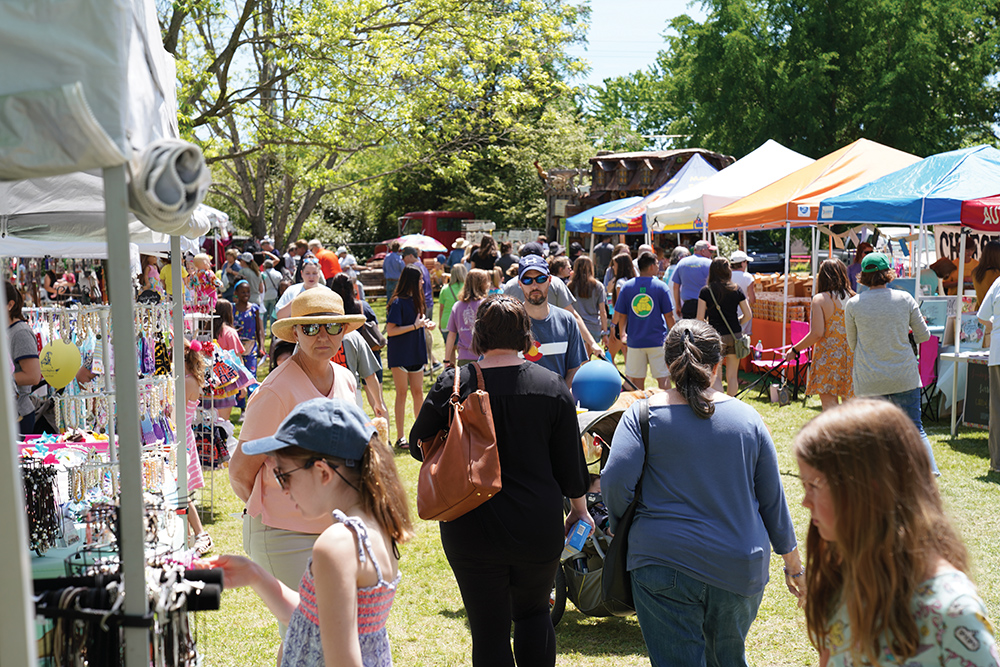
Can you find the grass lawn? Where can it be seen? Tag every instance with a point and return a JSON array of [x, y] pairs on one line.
[[427, 624]]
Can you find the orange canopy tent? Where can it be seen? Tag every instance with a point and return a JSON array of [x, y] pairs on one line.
[[794, 199]]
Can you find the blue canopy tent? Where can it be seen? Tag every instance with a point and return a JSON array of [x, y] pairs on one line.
[[634, 219], [583, 223], [925, 193], [929, 192]]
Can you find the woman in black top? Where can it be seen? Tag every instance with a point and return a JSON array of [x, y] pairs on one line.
[[505, 552], [485, 256], [735, 313]]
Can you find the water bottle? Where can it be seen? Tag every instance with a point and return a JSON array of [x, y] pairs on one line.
[[758, 350]]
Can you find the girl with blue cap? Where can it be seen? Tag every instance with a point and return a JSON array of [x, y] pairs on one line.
[[331, 462]]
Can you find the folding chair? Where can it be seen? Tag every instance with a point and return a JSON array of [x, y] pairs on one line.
[[929, 393], [772, 363]]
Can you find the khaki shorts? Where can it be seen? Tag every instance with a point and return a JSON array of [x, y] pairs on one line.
[[639, 357], [283, 553]]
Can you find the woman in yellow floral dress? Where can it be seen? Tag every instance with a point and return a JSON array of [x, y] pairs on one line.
[[832, 360]]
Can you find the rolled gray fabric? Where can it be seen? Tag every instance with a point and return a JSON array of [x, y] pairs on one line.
[[168, 181]]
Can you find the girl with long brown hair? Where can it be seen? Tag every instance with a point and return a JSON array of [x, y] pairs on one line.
[[590, 298], [724, 305], [886, 572], [832, 360], [485, 256], [462, 322], [330, 461], [407, 346]]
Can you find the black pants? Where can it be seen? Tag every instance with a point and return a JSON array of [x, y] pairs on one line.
[[495, 592], [689, 309]]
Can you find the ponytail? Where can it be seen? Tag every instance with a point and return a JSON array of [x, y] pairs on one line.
[[382, 493], [692, 349]]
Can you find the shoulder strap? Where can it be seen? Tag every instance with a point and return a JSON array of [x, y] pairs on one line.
[[365, 551], [724, 320], [644, 428], [455, 395]]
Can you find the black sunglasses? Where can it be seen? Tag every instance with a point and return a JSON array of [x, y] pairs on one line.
[[541, 280], [312, 329], [281, 477]]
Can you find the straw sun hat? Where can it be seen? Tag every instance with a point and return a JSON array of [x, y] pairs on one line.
[[319, 305]]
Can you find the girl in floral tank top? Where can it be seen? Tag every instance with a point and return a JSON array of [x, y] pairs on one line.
[[330, 462]]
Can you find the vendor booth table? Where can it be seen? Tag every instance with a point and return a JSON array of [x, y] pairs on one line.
[[87, 94]]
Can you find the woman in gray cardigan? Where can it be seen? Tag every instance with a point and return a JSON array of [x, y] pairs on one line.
[[878, 322]]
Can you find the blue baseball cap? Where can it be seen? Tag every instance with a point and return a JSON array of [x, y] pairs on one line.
[[532, 263], [327, 426]]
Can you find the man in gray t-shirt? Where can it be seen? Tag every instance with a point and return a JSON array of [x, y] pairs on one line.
[[556, 343], [558, 295], [357, 357]]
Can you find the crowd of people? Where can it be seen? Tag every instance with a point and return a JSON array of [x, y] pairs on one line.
[[884, 578]]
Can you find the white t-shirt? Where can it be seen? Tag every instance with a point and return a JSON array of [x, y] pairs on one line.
[[742, 280], [292, 292], [990, 310]]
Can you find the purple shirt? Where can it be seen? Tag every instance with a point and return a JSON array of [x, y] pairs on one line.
[[462, 320]]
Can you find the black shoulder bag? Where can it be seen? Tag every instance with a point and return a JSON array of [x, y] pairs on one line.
[[616, 582]]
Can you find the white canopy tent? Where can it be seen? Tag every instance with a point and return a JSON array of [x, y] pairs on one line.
[[761, 167], [87, 86]]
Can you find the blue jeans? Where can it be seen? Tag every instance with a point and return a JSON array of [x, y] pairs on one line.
[[688, 622], [909, 402], [390, 287]]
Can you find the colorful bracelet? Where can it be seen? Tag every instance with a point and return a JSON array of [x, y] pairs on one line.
[[794, 576]]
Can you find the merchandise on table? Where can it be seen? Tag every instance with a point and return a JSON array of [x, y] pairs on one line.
[[771, 306]]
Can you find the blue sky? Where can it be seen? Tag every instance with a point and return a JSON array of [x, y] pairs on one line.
[[625, 35]]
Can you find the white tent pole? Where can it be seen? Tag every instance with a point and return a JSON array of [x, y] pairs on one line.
[[180, 400], [109, 383], [17, 614], [784, 312], [815, 252], [593, 243], [913, 254], [130, 505], [959, 291]]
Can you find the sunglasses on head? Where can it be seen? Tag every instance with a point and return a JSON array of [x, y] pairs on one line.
[[541, 280], [312, 329]]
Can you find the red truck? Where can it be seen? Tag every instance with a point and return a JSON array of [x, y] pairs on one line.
[[445, 226]]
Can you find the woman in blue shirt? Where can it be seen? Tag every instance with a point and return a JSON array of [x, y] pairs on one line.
[[407, 346], [710, 509]]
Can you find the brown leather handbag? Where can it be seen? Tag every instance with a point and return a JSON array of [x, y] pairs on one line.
[[461, 468]]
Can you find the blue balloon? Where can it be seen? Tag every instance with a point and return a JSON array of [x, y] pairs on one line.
[[596, 385]]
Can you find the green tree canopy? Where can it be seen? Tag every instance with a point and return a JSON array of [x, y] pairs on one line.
[[295, 101], [918, 75]]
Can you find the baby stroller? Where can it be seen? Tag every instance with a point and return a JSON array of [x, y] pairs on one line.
[[578, 577]]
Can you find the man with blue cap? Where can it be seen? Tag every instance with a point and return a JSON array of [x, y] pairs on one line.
[[556, 341]]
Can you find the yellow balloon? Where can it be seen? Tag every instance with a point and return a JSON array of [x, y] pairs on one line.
[[60, 360]]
